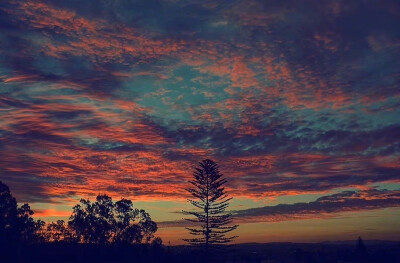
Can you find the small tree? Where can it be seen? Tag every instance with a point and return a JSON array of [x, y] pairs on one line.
[[213, 223]]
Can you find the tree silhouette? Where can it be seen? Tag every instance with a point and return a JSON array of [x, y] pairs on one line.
[[213, 223], [8, 216], [27, 226], [127, 232], [59, 231], [16, 223], [361, 251], [107, 222]]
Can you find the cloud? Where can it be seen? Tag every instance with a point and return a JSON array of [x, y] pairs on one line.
[[119, 97], [328, 206]]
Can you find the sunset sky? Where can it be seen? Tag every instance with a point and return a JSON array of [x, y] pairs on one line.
[[297, 101]]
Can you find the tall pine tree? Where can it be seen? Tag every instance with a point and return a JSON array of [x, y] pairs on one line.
[[211, 221]]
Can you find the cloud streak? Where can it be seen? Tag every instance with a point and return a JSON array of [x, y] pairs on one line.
[[328, 206]]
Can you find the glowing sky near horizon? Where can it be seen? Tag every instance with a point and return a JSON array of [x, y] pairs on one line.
[[297, 101]]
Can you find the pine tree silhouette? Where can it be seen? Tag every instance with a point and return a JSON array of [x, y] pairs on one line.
[[213, 223]]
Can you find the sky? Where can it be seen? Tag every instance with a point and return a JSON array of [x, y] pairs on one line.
[[297, 101]]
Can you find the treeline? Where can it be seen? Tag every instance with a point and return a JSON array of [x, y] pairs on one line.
[[100, 223], [103, 222]]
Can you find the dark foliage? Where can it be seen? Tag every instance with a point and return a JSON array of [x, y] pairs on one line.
[[104, 221], [210, 198], [58, 232], [16, 223]]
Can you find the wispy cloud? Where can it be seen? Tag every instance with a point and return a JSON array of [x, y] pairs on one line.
[[328, 206]]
